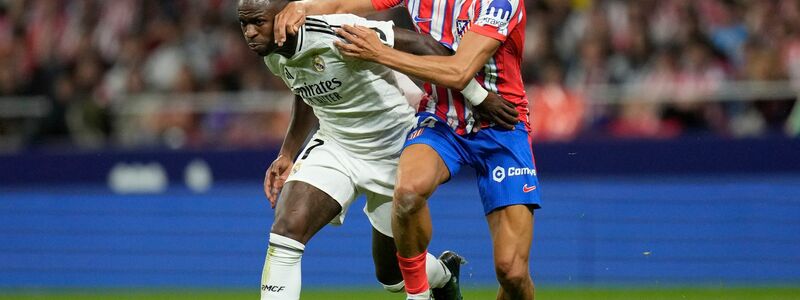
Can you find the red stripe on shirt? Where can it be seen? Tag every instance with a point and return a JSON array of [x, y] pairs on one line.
[[507, 58]]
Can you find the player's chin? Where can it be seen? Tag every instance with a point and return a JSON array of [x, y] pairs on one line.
[[259, 48]]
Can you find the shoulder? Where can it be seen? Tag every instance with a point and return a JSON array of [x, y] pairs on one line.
[[273, 63], [331, 23], [335, 20], [321, 30], [497, 12], [317, 31], [497, 18]]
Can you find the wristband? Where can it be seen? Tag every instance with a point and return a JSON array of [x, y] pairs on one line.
[[474, 92]]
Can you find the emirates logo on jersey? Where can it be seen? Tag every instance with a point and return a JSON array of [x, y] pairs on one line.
[[320, 93]]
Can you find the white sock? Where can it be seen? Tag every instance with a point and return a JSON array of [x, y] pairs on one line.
[[438, 275], [280, 279], [426, 295], [395, 288]]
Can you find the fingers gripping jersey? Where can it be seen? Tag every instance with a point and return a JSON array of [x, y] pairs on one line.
[[447, 21], [359, 104]]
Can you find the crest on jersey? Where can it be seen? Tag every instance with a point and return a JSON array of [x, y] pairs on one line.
[[461, 27], [416, 133], [319, 63], [296, 167]]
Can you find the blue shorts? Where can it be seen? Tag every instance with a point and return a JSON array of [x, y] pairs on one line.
[[502, 159]]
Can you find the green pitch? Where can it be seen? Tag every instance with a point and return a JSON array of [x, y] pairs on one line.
[[782, 293]]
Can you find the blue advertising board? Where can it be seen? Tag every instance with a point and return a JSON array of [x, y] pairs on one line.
[[624, 213]]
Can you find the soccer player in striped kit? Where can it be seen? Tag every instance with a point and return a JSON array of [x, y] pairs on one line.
[[487, 37]]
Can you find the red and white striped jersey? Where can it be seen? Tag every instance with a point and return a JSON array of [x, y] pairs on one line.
[[447, 21]]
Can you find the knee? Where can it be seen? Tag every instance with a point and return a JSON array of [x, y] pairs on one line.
[[289, 228], [512, 270], [409, 199]]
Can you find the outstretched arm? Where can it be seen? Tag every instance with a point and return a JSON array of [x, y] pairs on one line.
[[289, 20], [490, 106], [454, 71]]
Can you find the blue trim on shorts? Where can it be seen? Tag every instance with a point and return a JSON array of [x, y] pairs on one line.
[[502, 159]]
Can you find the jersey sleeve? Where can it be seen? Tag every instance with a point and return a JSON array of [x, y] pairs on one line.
[[272, 65], [384, 29], [385, 4], [496, 18]]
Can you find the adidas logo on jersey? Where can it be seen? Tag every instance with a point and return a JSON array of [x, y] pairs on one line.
[[288, 75]]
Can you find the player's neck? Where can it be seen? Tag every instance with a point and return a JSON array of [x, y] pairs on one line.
[[289, 47]]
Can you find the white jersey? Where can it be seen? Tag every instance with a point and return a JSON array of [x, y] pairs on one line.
[[359, 104]]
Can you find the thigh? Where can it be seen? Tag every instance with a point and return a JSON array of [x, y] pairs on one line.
[[379, 212], [318, 191], [303, 210], [431, 155], [505, 169], [421, 170], [327, 168], [511, 228]]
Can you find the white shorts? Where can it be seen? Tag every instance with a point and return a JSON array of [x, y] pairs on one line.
[[328, 167]]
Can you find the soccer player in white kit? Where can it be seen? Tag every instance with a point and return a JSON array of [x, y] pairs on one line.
[[363, 118]]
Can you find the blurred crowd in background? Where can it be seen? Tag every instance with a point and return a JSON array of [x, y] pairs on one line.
[[682, 51], [672, 58]]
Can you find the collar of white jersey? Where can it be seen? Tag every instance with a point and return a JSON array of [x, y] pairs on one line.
[[301, 36], [293, 45]]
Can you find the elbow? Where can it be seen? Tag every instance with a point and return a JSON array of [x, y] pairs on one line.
[[458, 80], [324, 8], [463, 81], [338, 10], [462, 76], [451, 75]]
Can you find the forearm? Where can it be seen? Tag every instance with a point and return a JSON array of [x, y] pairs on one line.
[[454, 71], [303, 121], [445, 71]]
